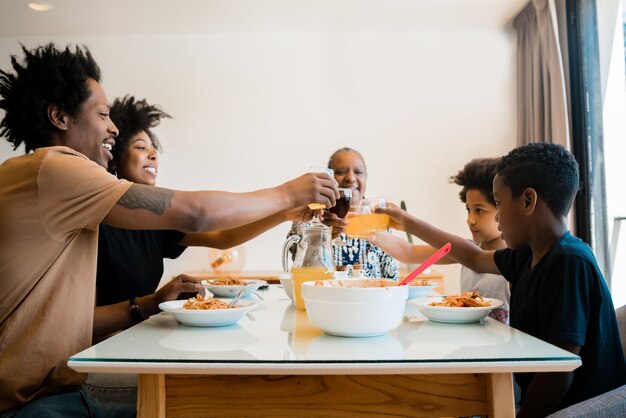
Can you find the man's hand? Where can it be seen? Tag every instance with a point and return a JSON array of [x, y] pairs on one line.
[[299, 214], [312, 188]]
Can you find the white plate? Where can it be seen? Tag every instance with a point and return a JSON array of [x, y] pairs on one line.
[[453, 315], [230, 291], [207, 317]]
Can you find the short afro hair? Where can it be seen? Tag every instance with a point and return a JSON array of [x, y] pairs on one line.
[[132, 116], [477, 174], [550, 169], [345, 149], [46, 76]]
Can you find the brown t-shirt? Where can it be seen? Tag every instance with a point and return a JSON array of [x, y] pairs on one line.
[[51, 203]]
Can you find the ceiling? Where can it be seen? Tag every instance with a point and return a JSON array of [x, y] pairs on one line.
[[108, 17]]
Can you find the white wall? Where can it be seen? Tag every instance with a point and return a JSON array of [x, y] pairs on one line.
[[253, 110]]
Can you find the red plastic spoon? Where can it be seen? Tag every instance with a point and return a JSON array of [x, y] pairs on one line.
[[429, 261]]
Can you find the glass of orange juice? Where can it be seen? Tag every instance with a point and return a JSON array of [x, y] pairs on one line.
[[363, 220]]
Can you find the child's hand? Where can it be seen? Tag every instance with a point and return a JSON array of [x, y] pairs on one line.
[[396, 216]]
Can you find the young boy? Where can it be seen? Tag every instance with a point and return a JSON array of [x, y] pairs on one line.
[[558, 293], [476, 180]]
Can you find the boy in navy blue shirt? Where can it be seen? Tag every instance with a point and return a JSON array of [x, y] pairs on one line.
[[558, 293]]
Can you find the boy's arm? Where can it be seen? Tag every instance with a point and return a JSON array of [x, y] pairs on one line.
[[546, 390], [148, 207], [404, 251], [463, 251]]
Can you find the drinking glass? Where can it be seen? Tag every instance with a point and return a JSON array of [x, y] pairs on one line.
[[341, 209], [319, 206], [365, 221], [342, 206]]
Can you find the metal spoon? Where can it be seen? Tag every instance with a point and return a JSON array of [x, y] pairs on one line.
[[239, 295]]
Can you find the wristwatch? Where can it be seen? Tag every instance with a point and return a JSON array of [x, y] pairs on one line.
[[135, 311]]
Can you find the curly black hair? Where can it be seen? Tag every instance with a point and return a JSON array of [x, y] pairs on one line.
[[550, 169], [46, 76], [477, 174], [132, 116]]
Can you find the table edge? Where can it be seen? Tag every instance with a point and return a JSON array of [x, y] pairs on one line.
[[313, 368]]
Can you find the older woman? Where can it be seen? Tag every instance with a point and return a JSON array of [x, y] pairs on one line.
[[351, 173]]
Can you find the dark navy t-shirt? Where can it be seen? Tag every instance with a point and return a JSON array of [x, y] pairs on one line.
[[564, 299], [130, 263]]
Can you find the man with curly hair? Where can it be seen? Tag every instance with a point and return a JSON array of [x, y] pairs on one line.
[[558, 293], [52, 201]]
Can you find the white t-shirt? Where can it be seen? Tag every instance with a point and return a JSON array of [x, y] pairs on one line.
[[488, 285]]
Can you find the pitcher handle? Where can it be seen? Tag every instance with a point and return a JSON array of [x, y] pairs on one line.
[[294, 239]]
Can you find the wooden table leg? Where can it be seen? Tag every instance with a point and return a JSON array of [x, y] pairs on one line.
[[500, 397], [151, 396]]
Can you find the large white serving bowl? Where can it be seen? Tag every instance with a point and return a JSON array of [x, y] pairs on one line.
[[355, 308], [207, 317]]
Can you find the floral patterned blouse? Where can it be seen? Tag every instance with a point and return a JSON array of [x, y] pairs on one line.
[[374, 261]]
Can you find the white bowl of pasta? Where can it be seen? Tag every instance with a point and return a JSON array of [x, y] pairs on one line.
[[456, 309], [213, 314], [229, 287], [355, 308], [419, 289]]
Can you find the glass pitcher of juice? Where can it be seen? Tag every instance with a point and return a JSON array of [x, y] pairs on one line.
[[313, 259]]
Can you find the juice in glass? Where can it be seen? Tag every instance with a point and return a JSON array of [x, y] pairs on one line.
[[300, 275], [361, 225]]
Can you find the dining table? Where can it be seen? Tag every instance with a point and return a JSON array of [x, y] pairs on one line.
[[274, 362]]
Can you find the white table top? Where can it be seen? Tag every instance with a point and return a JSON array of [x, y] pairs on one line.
[[276, 338]]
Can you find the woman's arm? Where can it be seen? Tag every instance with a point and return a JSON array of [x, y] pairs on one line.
[[231, 237], [111, 319]]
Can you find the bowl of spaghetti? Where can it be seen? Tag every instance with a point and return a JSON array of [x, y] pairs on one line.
[[211, 312], [229, 286], [465, 308], [355, 308]]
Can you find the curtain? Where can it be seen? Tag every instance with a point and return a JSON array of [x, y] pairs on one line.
[[542, 102]]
